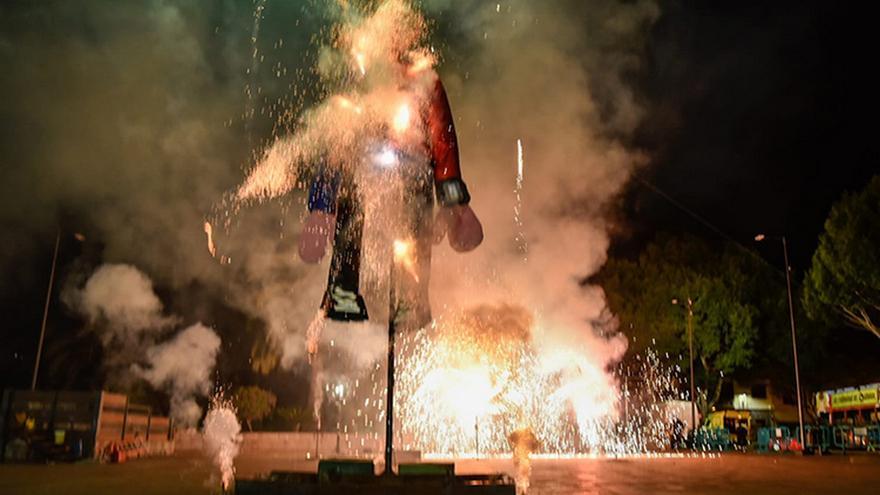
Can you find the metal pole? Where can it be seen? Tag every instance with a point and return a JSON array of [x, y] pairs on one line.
[[797, 374], [690, 326], [46, 311], [477, 435], [389, 401]]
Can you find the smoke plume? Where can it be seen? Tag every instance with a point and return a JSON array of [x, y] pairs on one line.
[[127, 315], [183, 366]]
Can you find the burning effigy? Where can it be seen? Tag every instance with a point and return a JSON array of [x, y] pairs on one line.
[[374, 156], [519, 340]]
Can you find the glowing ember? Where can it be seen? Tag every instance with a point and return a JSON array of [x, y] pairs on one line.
[[519, 162], [403, 255], [209, 231]]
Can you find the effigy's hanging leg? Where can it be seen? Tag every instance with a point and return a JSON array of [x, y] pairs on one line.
[[343, 301], [413, 278]]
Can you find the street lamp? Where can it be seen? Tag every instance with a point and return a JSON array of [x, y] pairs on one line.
[[797, 374], [81, 238], [690, 330]]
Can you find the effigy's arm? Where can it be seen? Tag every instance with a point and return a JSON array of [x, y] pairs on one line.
[[455, 218], [450, 187], [323, 191]]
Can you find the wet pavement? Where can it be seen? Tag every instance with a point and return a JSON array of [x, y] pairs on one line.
[[718, 475]]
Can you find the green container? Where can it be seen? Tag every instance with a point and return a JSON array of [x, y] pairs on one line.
[[426, 469], [336, 469]]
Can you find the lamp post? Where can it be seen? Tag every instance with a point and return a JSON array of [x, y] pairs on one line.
[[690, 331], [46, 311], [81, 238], [401, 254], [797, 374]]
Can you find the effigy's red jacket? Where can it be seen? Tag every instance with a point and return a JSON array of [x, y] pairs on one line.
[[442, 146], [441, 132], [443, 143]]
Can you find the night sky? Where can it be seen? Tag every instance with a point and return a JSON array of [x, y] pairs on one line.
[[758, 117]]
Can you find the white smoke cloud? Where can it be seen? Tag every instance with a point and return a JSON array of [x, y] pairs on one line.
[[183, 366], [552, 76], [123, 309], [123, 297]]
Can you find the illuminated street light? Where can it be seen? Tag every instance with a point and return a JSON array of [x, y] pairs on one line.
[[797, 374]]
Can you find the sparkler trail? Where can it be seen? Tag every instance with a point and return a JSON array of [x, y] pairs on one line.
[[522, 244]]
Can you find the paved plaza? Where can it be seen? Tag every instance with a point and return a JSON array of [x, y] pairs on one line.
[[718, 475]]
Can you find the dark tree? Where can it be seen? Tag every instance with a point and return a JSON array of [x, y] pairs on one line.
[[844, 279]]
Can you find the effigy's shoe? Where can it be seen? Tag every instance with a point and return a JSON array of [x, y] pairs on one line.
[[344, 305]]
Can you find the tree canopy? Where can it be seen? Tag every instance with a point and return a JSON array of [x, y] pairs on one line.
[[253, 403], [844, 278], [650, 298]]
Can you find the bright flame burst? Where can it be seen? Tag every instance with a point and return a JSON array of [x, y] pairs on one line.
[[400, 122], [470, 381], [403, 255]]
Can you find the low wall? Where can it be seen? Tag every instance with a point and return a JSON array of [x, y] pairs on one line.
[[304, 444]]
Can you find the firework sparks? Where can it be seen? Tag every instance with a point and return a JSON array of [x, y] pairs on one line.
[[483, 366], [222, 434]]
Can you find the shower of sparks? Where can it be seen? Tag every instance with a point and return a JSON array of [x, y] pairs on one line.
[[455, 375], [466, 382], [471, 370], [222, 436]]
